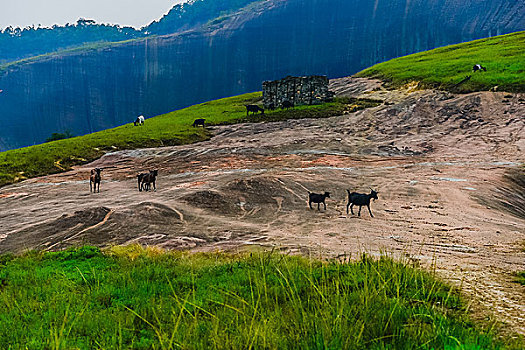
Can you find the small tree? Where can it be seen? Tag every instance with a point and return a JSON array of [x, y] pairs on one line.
[[60, 136]]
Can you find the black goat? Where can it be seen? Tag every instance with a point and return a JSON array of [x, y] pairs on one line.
[[360, 199], [317, 198], [254, 109], [478, 67], [94, 179], [139, 179], [198, 122], [287, 105], [147, 179]]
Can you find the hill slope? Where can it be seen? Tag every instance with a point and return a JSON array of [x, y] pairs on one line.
[[103, 87], [446, 67], [169, 129]]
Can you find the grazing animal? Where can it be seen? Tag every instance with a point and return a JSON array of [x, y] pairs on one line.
[[254, 109], [139, 179], [198, 122], [139, 120], [287, 105], [94, 179], [317, 198], [360, 199], [478, 67], [148, 179]]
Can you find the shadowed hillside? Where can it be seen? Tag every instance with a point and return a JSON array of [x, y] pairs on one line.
[[19, 43], [91, 90]]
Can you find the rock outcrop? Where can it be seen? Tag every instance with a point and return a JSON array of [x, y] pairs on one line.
[[311, 90]]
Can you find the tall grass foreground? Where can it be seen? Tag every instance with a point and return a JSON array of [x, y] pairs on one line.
[[132, 297]]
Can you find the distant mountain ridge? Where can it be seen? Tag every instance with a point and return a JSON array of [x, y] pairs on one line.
[[20, 43], [89, 90]]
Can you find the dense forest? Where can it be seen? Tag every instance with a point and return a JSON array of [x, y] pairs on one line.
[[18, 43], [194, 13]]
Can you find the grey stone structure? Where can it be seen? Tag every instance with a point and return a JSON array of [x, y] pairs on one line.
[[311, 90]]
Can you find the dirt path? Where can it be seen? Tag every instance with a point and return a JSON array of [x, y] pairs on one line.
[[437, 159]]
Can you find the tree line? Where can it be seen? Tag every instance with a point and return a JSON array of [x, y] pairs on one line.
[[17, 43]]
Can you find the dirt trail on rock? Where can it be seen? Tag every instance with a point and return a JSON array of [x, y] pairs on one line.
[[439, 161]]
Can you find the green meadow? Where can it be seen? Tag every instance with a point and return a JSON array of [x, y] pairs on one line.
[[131, 297], [445, 67]]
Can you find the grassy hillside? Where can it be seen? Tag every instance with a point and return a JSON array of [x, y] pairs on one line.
[[129, 297], [169, 129], [445, 67]]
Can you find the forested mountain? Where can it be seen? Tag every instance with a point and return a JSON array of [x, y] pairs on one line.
[[194, 13], [19, 43], [88, 90]]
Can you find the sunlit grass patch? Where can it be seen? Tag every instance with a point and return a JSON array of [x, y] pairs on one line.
[[445, 67], [130, 297]]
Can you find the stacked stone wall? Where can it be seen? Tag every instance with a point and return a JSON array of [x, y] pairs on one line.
[[311, 90]]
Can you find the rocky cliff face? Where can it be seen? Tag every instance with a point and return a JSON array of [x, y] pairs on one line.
[[92, 90]]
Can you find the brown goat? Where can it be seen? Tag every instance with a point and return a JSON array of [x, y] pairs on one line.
[[94, 179]]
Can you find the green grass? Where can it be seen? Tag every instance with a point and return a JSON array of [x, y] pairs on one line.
[[169, 129], [129, 297], [443, 68], [521, 277]]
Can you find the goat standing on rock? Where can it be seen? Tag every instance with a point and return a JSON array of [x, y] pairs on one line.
[[360, 199], [146, 179], [94, 179], [317, 198]]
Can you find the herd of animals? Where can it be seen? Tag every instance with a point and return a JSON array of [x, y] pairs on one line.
[[354, 198], [147, 180], [254, 109]]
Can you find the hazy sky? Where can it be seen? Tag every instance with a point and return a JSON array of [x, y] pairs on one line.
[[48, 12]]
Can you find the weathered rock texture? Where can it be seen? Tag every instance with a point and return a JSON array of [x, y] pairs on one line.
[[438, 160], [95, 89], [311, 90]]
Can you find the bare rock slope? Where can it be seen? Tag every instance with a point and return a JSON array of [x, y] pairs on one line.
[[448, 169]]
